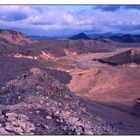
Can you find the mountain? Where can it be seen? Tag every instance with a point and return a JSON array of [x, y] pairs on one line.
[[117, 37], [14, 38], [79, 36]]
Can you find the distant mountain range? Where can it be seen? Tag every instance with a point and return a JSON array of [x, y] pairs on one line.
[[118, 37], [126, 38]]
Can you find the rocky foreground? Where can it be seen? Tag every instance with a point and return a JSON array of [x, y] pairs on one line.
[[35, 103]]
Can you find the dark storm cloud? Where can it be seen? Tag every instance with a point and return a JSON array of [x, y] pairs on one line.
[[107, 7], [132, 7], [13, 16], [116, 7], [128, 27]]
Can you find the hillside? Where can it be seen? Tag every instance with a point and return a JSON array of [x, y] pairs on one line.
[[37, 103], [127, 57]]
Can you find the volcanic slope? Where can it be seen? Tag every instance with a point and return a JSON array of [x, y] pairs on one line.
[[36, 103]]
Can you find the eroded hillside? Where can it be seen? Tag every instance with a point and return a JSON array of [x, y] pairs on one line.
[[74, 87]]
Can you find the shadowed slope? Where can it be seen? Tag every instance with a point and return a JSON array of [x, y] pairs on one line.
[[130, 56]]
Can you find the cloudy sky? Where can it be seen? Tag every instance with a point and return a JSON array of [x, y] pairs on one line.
[[65, 19]]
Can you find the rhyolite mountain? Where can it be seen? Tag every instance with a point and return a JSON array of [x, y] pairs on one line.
[[14, 38]]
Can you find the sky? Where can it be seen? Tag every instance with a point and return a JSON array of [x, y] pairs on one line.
[[59, 20]]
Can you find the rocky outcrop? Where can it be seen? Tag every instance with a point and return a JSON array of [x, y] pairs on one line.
[[47, 107], [15, 124]]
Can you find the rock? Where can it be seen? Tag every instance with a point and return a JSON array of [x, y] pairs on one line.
[[41, 101], [19, 130], [79, 123], [57, 120], [4, 132], [2, 120], [36, 71], [73, 119], [15, 123], [22, 117], [23, 126], [48, 117], [46, 126], [27, 126], [9, 127], [72, 127], [11, 118], [79, 130], [5, 111], [66, 113], [56, 113], [88, 132], [65, 128], [61, 120], [37, 111], [11, 114], [1, 116]]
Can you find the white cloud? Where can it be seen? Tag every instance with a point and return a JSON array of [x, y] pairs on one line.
[[61, 18]]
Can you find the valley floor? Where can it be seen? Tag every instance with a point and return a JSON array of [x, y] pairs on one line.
[[109, 92]]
